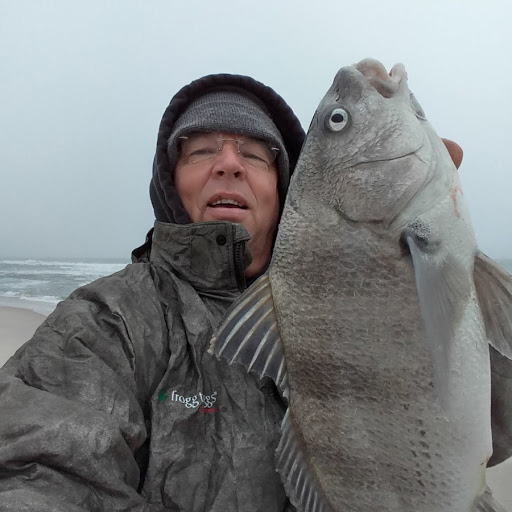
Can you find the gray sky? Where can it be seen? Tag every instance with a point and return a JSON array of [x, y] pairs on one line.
[[83, 86]]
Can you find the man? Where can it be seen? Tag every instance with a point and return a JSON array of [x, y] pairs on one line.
[[115, 404]]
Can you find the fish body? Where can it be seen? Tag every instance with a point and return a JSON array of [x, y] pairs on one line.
[[381, 340]]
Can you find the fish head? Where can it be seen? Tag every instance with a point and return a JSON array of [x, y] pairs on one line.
[[369, 144]]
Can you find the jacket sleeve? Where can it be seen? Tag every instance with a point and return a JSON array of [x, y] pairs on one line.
[[72, 400]]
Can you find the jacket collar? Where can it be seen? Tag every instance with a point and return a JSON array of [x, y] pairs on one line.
[[209, 255]]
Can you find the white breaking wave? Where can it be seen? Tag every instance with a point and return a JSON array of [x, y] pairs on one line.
[[69, 272], [39, 298], [80, 268], [40, 284], [24, 283], [54, 263]]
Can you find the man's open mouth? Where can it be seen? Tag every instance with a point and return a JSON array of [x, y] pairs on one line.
[[227, 203]]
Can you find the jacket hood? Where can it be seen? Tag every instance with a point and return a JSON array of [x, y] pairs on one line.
[[164, 197]]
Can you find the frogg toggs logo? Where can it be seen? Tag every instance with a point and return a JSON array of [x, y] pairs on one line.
[[204, 402]]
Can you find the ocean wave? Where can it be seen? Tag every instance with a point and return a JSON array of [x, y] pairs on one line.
[[17, 283], [104, 266], [41, 284], [51, 299], [51, 270], [11, 273], [51, 262]]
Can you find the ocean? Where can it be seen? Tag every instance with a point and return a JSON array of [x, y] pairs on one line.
[[40, 285]]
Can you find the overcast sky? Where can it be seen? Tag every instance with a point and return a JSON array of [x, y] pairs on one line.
[[83, 86]]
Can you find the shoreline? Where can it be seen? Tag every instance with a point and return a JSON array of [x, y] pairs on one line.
[[37, 306]]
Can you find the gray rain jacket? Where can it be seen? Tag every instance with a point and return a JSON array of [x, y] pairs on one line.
[[117, 383], [115, 404]]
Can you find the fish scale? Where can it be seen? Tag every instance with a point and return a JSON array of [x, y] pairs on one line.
[[362, 372], [376, 313]]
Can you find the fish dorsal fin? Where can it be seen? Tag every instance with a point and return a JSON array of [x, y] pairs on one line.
[[249, 335], [300, 483], [494, 289], [501, 410]]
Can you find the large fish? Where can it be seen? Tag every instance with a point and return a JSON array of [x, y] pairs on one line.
[[374, 319]]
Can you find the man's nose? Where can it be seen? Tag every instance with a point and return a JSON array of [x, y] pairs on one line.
[[229, 161]]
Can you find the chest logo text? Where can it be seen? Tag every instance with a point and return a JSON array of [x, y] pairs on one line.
[[203, 402]]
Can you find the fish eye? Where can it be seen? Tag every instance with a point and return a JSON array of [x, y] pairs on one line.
[[337, 120]]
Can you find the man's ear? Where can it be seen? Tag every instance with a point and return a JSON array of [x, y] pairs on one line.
[[455, 151]]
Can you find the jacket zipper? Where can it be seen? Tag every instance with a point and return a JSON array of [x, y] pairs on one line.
[[239, 264]]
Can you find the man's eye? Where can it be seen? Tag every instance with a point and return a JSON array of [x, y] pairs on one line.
[[255, 157], [203, 151]]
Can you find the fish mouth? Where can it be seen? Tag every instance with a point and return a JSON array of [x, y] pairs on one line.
[[386, 84], [392, 157]]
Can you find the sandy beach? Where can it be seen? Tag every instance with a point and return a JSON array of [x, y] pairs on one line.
[[17, 326]]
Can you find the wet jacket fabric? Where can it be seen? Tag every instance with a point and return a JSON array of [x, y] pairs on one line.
[[115, 404]]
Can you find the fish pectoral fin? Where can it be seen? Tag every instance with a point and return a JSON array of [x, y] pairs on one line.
[[300, 482], [494, 290], [444, 290], [249, 335], [487, 503]]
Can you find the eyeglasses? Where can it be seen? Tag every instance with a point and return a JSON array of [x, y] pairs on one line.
[[201, 147]]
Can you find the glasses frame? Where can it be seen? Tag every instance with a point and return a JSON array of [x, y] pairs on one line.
[[273, 150]]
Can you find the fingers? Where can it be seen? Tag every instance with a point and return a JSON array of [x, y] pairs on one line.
[[455, 151]]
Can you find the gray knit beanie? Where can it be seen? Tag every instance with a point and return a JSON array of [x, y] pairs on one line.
[[234, 111]]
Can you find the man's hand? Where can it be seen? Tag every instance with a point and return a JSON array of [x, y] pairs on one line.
[[455, 151]]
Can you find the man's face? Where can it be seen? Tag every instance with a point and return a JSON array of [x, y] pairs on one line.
[[223, 185]]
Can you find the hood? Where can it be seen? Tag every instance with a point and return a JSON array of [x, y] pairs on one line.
[[166, 203]]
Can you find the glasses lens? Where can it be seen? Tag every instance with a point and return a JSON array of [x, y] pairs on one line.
[[257, 153], [199, 147]]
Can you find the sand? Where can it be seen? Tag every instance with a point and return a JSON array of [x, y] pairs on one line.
[[17, 326]]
